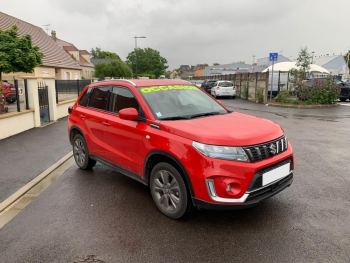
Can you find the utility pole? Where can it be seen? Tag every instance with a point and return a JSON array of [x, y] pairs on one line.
[[136, 37]]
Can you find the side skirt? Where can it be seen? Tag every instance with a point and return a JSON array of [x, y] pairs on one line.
[[121, 170]]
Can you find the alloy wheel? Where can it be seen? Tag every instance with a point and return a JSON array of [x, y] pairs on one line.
[[79, 152], [167, 191]]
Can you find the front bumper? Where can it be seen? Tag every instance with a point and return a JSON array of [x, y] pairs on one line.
[[250, 198]]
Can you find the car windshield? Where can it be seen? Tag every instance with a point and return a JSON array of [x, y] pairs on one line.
[[226, 84], [180, 102]]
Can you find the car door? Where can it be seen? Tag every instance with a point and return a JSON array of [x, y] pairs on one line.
[[124, 138], [93, 116]]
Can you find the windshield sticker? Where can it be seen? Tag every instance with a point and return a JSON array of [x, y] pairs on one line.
[[158, 114], [165, 88]]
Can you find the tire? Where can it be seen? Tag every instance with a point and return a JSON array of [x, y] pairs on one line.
[[81, 153], [233, 97], [10, 101], [169, 192]]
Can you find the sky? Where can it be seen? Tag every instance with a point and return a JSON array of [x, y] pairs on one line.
[[194, 31]]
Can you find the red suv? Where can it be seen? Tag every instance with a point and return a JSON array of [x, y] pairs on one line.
[[180, 142]]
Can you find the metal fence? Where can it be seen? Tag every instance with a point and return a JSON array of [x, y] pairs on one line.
[[15, 94], [69, 89]]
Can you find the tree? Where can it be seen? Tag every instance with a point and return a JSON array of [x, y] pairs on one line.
[[298, 75], [109, 64], [347, 58], [147, 62], [304, 60], [17, 54], [101, 54], [112, 68]]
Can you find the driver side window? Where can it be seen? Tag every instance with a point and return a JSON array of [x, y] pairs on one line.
[[122, 98]]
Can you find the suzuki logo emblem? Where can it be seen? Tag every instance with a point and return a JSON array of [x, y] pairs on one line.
[[272, 149]]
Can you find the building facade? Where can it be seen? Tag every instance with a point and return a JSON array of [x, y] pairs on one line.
[[83, 57], [56, 62]]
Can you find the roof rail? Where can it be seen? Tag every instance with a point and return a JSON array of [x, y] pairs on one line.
[[126, 80]]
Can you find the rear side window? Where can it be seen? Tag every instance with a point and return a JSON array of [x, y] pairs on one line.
[[85, 98], [122, 98], [99, 98]]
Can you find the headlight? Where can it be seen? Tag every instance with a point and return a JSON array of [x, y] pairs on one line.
[[221, 152]]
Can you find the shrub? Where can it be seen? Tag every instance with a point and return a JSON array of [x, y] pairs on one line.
[[324, 92], [321, 92], [283, 96]]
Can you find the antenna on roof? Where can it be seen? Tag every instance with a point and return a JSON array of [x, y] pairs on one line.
[[47, 28]]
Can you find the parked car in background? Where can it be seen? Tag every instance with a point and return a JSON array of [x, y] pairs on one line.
[[344, 93], [223, 88], [186, 147], [198, 83], [208, 84], [9, 92]]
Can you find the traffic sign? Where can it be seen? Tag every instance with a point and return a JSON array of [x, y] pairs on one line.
[[273, 56]]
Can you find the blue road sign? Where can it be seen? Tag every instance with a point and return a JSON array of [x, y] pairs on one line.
[[273, 56]]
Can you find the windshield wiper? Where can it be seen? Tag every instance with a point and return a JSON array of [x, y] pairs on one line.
[[205, 114], [174, 118]]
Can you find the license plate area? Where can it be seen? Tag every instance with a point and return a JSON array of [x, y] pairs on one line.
[[276, 174]]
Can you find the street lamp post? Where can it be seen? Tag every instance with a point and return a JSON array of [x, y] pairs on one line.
[[136, 37]]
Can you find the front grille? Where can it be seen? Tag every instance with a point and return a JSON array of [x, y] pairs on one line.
[[270, 190], [266, 150]]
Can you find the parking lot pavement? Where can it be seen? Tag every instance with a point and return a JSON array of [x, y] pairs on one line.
[[103, 215], [27, 154]]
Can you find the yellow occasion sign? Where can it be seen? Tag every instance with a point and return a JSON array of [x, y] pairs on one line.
[[165, 88]]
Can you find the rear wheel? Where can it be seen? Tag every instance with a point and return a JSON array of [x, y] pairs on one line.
[[81, 153], [169, 191]]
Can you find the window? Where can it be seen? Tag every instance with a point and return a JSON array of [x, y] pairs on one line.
[[84, 99], [226, 84], [99, 97], [122, 98], [67, 75]]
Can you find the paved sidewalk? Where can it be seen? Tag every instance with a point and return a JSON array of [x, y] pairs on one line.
[[26, 155]]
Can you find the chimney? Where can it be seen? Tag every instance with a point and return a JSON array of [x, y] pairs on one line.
[[53, 35]]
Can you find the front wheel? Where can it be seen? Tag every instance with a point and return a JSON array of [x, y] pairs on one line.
[[81, 153], [169, 191]]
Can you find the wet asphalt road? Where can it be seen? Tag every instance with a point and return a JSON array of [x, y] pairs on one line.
[[112, 218]]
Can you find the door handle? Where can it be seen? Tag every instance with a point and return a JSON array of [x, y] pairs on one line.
[[82, 116], [105, 123]]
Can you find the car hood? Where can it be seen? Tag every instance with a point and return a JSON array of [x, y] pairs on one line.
[[233, 129]]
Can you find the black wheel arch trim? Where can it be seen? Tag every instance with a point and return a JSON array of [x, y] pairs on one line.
[[74, 127], [183, 171]]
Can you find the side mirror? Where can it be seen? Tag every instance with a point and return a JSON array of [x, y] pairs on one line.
[[130, 114], [70, 109]]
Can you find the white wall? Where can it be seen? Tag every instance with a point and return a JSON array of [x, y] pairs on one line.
[[14, 123], [62, 108], [17, 122]]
